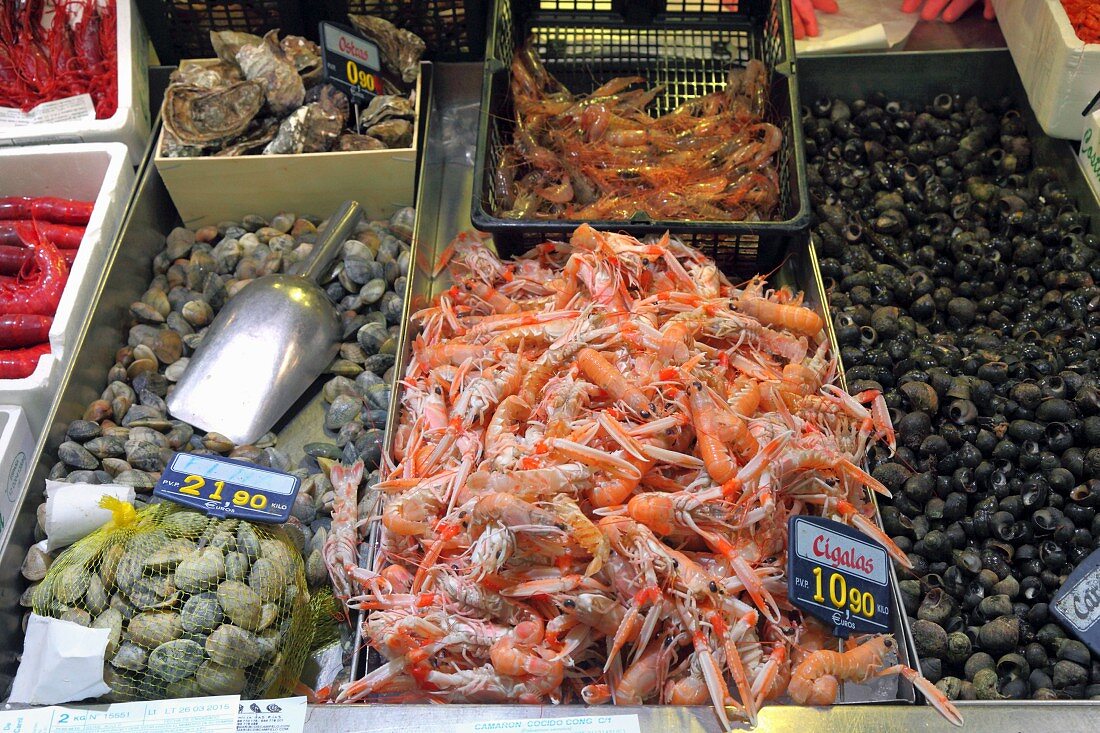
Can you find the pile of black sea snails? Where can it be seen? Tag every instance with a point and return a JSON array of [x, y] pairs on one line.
[[963, 284]]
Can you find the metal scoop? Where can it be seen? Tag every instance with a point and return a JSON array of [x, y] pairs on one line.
[[267, 345]]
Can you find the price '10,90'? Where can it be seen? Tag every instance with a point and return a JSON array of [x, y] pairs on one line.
[[193, 485], [859, 603], [362, 78]]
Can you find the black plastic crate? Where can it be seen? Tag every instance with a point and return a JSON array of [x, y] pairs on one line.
[[180, 29], [453, 30], [687, 45]]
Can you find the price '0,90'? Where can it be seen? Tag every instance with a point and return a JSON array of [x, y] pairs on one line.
[[193, 485], [859, 603], [361, 77]]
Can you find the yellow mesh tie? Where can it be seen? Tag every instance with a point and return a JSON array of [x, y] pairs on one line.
[[122, 513]]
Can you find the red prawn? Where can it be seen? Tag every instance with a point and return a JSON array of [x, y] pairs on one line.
[[62, 236], [39, 291], [47, 209], [21, 363], [19, 330]]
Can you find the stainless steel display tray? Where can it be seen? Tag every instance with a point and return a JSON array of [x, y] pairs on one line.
[[442, 212]]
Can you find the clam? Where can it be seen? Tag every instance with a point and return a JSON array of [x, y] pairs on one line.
[[111, 620], [267, 579], [169, 555], [36, 563], [240, 603], [152, 628], [201, 613], [130, 657], [77, 616], [200, 571], [184, 688], [215, 679], [248, 541], [232, 646], [175, 660], [185, 524], [96, 599], [154, 591], [75, 455], [236, 566], [71, 584]]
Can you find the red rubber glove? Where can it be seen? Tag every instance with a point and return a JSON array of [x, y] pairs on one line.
[[804, 15], [952, 9]]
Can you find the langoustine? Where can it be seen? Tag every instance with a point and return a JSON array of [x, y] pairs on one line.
[[599, 446], [601, 156]]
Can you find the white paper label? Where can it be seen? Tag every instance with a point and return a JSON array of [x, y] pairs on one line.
[[582, 724], [70, 109], [194, 715], [285, 715], [1090, 151]]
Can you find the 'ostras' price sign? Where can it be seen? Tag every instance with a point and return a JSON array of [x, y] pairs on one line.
[[223, 487], [839, 575], [351, 63]]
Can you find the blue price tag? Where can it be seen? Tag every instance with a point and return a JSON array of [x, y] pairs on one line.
[[223, 487], [1077, 602], [839, 575]]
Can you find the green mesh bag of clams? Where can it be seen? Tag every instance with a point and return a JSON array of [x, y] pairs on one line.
[[195, 605]]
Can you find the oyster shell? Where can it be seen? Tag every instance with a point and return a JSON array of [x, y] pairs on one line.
[[401, 50], [386, 107], [351, 141], [394, 133], [313, 128], [306, 57], [262, 134], [199, 117], [266, 62], [227, 43], [206, 74]]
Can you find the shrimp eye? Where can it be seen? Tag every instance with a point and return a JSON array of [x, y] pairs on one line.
[[676, 564], [462, 514], [888, 643], [439, 390], [644, 413], [713, 587], [769, 560], [570, 603]]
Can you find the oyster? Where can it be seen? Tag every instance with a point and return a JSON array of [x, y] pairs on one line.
[[306, 57], [351, 141], [313, 128], [199, 117], [394, 133], [227, 43], [259, 136], [401, 50], [386, 107], [268, 63], [206, 74]]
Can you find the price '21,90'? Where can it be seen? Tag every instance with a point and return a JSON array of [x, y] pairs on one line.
[[860, 603], [193, 485]]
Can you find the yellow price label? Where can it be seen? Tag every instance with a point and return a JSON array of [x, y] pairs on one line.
[[841, 597], [194, 485], [362, 78]]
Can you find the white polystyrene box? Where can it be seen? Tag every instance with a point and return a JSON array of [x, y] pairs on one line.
[[99, 172], [16, 451], [130, 122], [1060, 72]]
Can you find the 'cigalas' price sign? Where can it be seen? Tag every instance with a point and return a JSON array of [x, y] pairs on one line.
[[352, 63], [1077, 602], [223, 487], [839, 575]]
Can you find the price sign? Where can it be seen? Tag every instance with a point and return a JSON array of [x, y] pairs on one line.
[[839, 575], [352, 63], [223, 487], [1077, 602]]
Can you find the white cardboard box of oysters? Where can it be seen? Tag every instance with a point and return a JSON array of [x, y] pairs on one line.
[[259, 129]]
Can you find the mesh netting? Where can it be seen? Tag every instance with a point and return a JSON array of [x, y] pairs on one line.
[[195, 606]]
